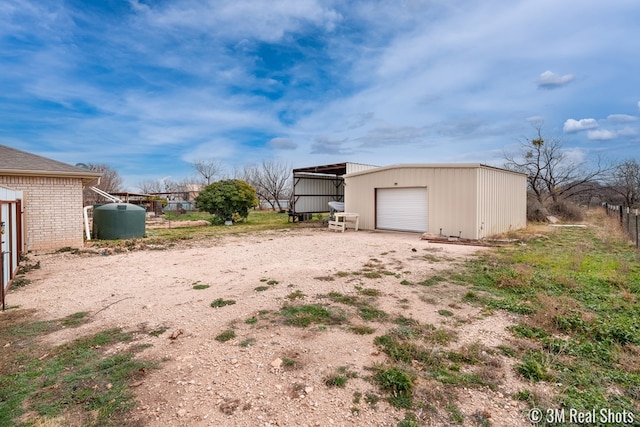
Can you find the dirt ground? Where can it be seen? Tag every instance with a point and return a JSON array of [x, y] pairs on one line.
[[244, 382]]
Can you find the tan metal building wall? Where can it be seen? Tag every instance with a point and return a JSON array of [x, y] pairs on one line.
[[502, 201], [467, 200]]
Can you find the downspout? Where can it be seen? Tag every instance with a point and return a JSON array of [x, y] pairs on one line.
[[86, 221]]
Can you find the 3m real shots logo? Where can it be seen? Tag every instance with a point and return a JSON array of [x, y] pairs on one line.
[[574, 416]]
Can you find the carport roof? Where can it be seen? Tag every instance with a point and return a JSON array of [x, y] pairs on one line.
[[17, 162], [335, 169]]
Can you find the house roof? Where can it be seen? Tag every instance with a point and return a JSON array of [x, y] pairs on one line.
[[20, 163]]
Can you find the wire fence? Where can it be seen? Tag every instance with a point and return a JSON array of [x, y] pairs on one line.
[[629, 220]]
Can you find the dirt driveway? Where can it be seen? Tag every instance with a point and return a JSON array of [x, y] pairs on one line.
[[271, 373]]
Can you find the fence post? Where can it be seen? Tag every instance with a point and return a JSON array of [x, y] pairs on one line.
[[637, 243], [621, 215]]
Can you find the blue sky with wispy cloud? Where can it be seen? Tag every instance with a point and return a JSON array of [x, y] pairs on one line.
[[149, 86]]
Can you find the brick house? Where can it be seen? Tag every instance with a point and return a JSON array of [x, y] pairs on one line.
[[52, 198]]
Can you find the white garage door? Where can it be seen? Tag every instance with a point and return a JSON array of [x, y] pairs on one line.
[[402, 209]]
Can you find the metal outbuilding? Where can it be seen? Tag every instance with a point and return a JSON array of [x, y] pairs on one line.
[[470, 200]]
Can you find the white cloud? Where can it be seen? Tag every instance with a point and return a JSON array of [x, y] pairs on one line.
[[551, 80], [601, 135], [572, 125], [238, 19], [621, 118], [283, 144], [627, 131]]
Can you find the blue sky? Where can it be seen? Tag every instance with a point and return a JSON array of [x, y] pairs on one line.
[[149, 86]]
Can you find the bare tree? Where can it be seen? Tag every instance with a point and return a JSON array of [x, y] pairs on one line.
[[208, 169], [272, 182], [551, 172], [625, 182], [110, 182], [154, 186]]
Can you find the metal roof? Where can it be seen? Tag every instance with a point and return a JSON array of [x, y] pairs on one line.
[[433, 166], [335, 169]]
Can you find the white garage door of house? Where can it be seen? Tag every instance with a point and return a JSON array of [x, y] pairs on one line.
[[401, 209]]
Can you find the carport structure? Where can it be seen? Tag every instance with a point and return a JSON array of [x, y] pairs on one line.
[[315, 186]]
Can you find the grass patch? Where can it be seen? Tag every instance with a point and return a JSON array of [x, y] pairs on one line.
[[200, 286], [578, 290], [20, 282], [455, 415], [365, 310], [225, 336], [261, 288], [220, 302], [398, 383], [372, 275], [340, 377], [362, 330], [431, 281], [74, 320], [297, 294], [369, 292], [251, 320], [75, 381], [248, 342], [256, 221], [305, 315], [290, 363], [159, 331], [445, 313]]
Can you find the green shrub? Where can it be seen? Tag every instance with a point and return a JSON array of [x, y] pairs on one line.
[[227, 199]]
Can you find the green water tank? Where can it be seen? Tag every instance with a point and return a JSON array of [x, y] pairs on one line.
[[118, 221]]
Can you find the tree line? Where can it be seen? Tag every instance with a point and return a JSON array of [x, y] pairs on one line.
[[558, 180], [271, 179]]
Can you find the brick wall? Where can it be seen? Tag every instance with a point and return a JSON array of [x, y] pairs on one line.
[[53, 211]]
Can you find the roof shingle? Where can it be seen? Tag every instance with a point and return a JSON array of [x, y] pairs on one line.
[[14, 161]]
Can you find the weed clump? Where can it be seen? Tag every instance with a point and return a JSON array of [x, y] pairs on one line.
[[220, 302], [306, 314], [225, 336], [398, 383]]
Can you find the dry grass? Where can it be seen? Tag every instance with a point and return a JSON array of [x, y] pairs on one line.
[[629, 358], [553, 308], [609, 228]]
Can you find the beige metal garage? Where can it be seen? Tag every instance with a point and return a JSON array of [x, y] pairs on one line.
[[471, 201]]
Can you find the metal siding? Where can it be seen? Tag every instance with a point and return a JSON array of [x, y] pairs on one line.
[[502, 202], [312, 193], [402, 209], [359, 167]]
